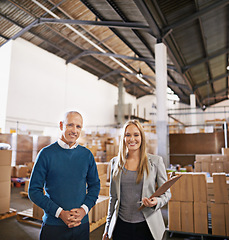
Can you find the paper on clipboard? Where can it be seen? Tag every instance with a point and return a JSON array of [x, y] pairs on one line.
[[162, 189]]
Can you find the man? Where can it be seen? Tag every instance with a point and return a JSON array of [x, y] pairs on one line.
[[65, 184]]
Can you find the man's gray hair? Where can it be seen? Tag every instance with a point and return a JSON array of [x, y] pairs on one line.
[[71, 112]]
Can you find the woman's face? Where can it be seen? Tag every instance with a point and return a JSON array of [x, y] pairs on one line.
[[132, 138]]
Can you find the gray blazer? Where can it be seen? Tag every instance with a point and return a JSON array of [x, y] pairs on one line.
[[153, 216]]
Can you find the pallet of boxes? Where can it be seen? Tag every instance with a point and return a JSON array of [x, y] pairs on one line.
[[188, 207], [5, 184], [220, 205], [211, 163]]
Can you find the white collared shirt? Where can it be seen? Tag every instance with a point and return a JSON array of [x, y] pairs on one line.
[[66, 146]]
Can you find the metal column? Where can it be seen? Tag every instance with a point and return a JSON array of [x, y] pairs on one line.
[[121, 117], [193, 110], [161, 94]]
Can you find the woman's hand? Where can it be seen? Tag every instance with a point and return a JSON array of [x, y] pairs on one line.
[[149, 202], [105, 236]]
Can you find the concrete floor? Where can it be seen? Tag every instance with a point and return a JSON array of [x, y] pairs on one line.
[[11, 229]]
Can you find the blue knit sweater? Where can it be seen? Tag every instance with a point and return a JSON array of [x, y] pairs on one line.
[[69, 177]]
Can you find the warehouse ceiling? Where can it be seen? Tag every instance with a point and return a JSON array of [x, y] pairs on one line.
[[115, 40]]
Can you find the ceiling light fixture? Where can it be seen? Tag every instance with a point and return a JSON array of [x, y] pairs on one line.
[[89, 41], [228, 67], [139, 74]]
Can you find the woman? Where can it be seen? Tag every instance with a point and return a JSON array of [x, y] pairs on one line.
[[134, 174]]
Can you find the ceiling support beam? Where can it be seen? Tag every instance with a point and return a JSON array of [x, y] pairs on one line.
[[210, 81], [110, 24], [214, 95], [2, 36], [206, 59], [107, 54]]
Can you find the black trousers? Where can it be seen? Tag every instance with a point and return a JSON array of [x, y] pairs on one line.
[[131, 231], [49, 232]]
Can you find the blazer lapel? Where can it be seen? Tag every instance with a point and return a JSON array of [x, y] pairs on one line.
[[118, 185], [144, 186]]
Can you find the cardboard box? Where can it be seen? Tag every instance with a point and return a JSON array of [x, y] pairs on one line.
[[103, 180], [227, 218], [26, 186], [5, 188], [90, 215], [212, 168], [197, 166], [199, 187], [205, 167], [226, 166], [200, 217], [37, 212], [174, 217], [219, 158], [104, 191], [21, 171], [4, 205], [225, 151], [220, 188], [203, 158], [30, 166], [175, 191], [187, 217], [13, 171], [219, 167], [100, 209], [218, 219], [23, 156], [5, 157], [189, 168], [186, 187], [102, 168], [5, 173]]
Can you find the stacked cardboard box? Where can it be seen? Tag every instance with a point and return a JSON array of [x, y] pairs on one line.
[[24, 149], [111, 151], [20, 171], [103, 147], [200, 203], [104, 174], [211, 163], [220, 207], [99, 211], [188, 205], [210, 192], [225, 152], [5, 181]]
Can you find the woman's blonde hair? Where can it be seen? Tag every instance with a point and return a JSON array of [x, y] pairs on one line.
[[123, 152]]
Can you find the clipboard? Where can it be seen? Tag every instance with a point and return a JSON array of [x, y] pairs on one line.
[[162, 189]]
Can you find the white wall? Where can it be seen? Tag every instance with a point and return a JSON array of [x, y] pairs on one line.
[[42, 87], [5, 53]]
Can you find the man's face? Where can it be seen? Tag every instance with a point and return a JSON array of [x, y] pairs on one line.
[[71, 128]]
